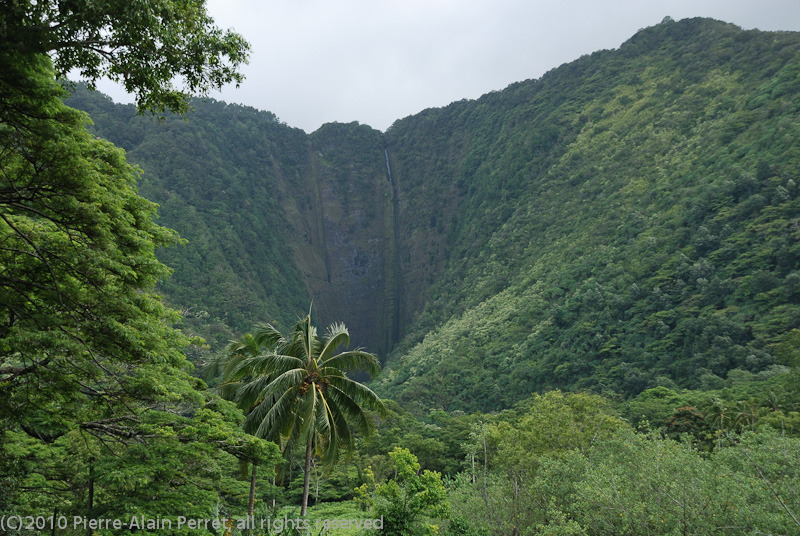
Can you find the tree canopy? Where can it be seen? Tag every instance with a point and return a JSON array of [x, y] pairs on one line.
[[625, 222], [144, 45], [98, 411], [77, 254], [296, 390]]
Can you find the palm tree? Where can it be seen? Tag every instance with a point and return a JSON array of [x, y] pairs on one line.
[[718, 415], [231, 357], [297, 391], [746, 413]]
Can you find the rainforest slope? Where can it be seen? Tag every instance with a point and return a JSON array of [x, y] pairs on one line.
[[630, 219]]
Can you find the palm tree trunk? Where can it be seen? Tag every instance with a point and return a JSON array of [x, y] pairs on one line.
[[306, 479], [251, 504]]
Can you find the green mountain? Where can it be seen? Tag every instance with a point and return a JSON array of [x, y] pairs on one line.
[[630, 219]]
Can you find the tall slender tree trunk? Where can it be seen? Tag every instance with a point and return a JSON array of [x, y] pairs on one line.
[[90, 509], [306, 478], [252, 503]]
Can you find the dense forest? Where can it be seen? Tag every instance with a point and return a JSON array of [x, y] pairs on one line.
[[577, 298], [625, 222]]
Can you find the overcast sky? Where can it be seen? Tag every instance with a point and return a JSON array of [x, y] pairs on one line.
[[376, 61]]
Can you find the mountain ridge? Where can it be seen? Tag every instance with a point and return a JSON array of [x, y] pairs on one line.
[[622, 222]]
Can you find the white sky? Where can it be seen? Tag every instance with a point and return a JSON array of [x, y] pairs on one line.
[[376, 61]]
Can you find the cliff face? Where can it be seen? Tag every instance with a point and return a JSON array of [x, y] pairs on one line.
[[375, 243], [627, 220], [350, 222], [274, 219]]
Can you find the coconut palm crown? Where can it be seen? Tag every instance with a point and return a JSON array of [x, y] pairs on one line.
[[296, 390]]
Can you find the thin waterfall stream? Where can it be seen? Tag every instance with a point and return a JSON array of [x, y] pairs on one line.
[[395, 333], [388, 169]]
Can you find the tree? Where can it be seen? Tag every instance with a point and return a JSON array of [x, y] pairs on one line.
[[80, 322], [246, 347], [409, 496], [554, 423], [298, 392], [510, 453], [719, 417], [94, 385], [145, 45], [98, 410], [688, 420]]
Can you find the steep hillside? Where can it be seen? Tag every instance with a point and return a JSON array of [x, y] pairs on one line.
[[630, 219], [353, 214], [224, 179], [272, 218]]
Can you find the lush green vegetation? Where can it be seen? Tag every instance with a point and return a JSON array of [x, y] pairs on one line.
[[216, 179], [145, 46], [99, 414], [624, 229], [601, 477], [627, 221], [296, 391]]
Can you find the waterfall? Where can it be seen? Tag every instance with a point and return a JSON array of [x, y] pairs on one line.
[[392, 335], [388, 169]]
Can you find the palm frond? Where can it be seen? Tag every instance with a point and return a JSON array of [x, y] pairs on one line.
[[329, 421], [345, 434], [248, 345], [323, 422], [218, 365], [360, 393], [341, 419], [336, 335], [267, 336], [279, 363], [351, 410], [251, 393], [242, 366], [231, 370], [303, 335], [268, 364], [306, 413], [354, 360], [272, 420], [229, 390], [295, 347], [286, 381], [213, 369]]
